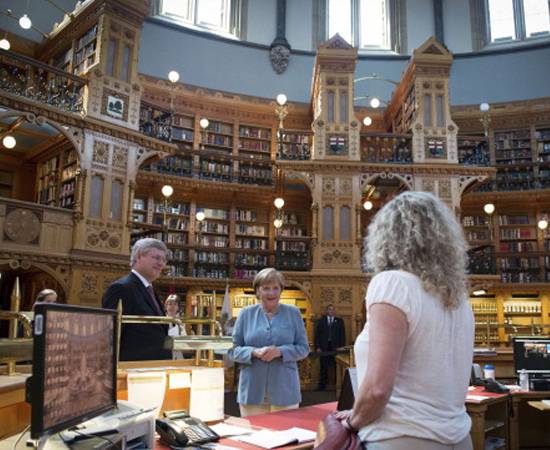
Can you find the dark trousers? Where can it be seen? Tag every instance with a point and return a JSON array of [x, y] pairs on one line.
[[325, 361]]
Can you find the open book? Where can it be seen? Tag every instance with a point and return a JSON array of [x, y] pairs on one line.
[[274, 439]]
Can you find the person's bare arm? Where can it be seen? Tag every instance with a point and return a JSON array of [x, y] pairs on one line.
[[387, 338]]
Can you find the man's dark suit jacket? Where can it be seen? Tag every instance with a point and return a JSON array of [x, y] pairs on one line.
[[324, 333], [138, 341]]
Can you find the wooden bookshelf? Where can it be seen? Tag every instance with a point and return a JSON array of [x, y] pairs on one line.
[[211, 257], [85, 51], [218, 137], [294, 144], [254, 142], [485, 311], [155, 122], [252, 242], [183, 131], [57, 179], [292, 242], [473, 150], [514, 160]]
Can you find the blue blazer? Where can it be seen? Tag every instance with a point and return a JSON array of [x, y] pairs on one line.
[[278, 379]]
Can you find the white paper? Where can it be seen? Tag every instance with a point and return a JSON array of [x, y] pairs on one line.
[[273, 439], [146, 389], [224, 430], [179, 380], [476, 397], [207, 393]]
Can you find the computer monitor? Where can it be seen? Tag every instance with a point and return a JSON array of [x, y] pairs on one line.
[[532, 354], [74, 366]]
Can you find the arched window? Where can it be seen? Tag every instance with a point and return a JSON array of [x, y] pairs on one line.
[[328, 223], [218, 16], [367, 24]]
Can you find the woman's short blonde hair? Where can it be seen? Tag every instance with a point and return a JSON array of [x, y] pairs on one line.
[[416, 232], [268, 275]]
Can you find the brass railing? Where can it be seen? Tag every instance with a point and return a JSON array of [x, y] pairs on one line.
[[35, 80]]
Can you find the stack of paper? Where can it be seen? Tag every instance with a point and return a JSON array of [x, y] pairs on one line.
[[273, 439]]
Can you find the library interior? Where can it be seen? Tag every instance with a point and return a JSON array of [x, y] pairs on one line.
[[246, 135]]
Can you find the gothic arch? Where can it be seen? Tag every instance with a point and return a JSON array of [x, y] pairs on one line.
[[74, 136], [26, 264], [407, 178]]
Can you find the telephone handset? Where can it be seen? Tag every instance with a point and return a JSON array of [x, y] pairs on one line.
[[179, 429]]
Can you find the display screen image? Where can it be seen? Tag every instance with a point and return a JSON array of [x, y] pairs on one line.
[[74, 366], [532, 354]]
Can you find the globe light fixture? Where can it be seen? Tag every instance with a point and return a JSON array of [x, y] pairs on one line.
[[479, 292], [489, 208], [278, 223], [281, 99], [484, 107], [204, 123], [200, 216], [374, 102], [279, 202], [9, 141], [367, 121], [167, 190], [542, 224], [25, 22], [4, 44], [368, 205], [173, 76]]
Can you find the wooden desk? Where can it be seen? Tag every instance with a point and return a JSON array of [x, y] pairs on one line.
[[528, 426], [489, 416], [307, 417]]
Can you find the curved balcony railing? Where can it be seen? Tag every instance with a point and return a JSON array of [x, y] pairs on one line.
[[386, 148], [473, 151], [32, 79], [482, 261]]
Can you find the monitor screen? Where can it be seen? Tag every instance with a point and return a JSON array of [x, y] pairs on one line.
[[532, 353], [74, 366]]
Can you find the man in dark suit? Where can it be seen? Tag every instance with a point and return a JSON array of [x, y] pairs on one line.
[[138, 341], [330, 334]]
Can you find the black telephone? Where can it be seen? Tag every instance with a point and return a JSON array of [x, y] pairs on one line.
[[179, 429]]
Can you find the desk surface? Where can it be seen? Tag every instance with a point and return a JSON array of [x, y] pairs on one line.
[[307, 417]]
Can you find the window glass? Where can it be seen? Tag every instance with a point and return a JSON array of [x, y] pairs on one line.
[[213, 14], [178, 8], [125, 69], [537, 20], [339, 18], [328, 223], [501, 20], [343, 106], [96, 196], [427, 110], [330, 106], [373, 23], [440, 112], [116, 200], [345, 223], [111, 55]]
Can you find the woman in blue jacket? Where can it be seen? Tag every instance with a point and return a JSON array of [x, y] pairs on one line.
[[269, 338]]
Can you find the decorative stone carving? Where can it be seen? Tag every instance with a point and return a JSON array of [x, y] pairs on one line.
[[345, 295], [22, 226], [327, 295], [280, 57], [345, 186], [120, 157], [329, 186], [445, 189], [101, 152], [88, 284], [428, 185]]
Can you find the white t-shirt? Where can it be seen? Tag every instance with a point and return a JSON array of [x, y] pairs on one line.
[[174, 331], [428, 398]]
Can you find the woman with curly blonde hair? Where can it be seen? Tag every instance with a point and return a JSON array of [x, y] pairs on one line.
[[414, 355]]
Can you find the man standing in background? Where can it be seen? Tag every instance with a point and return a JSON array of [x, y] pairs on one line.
[[139, 341], [330, 334]]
